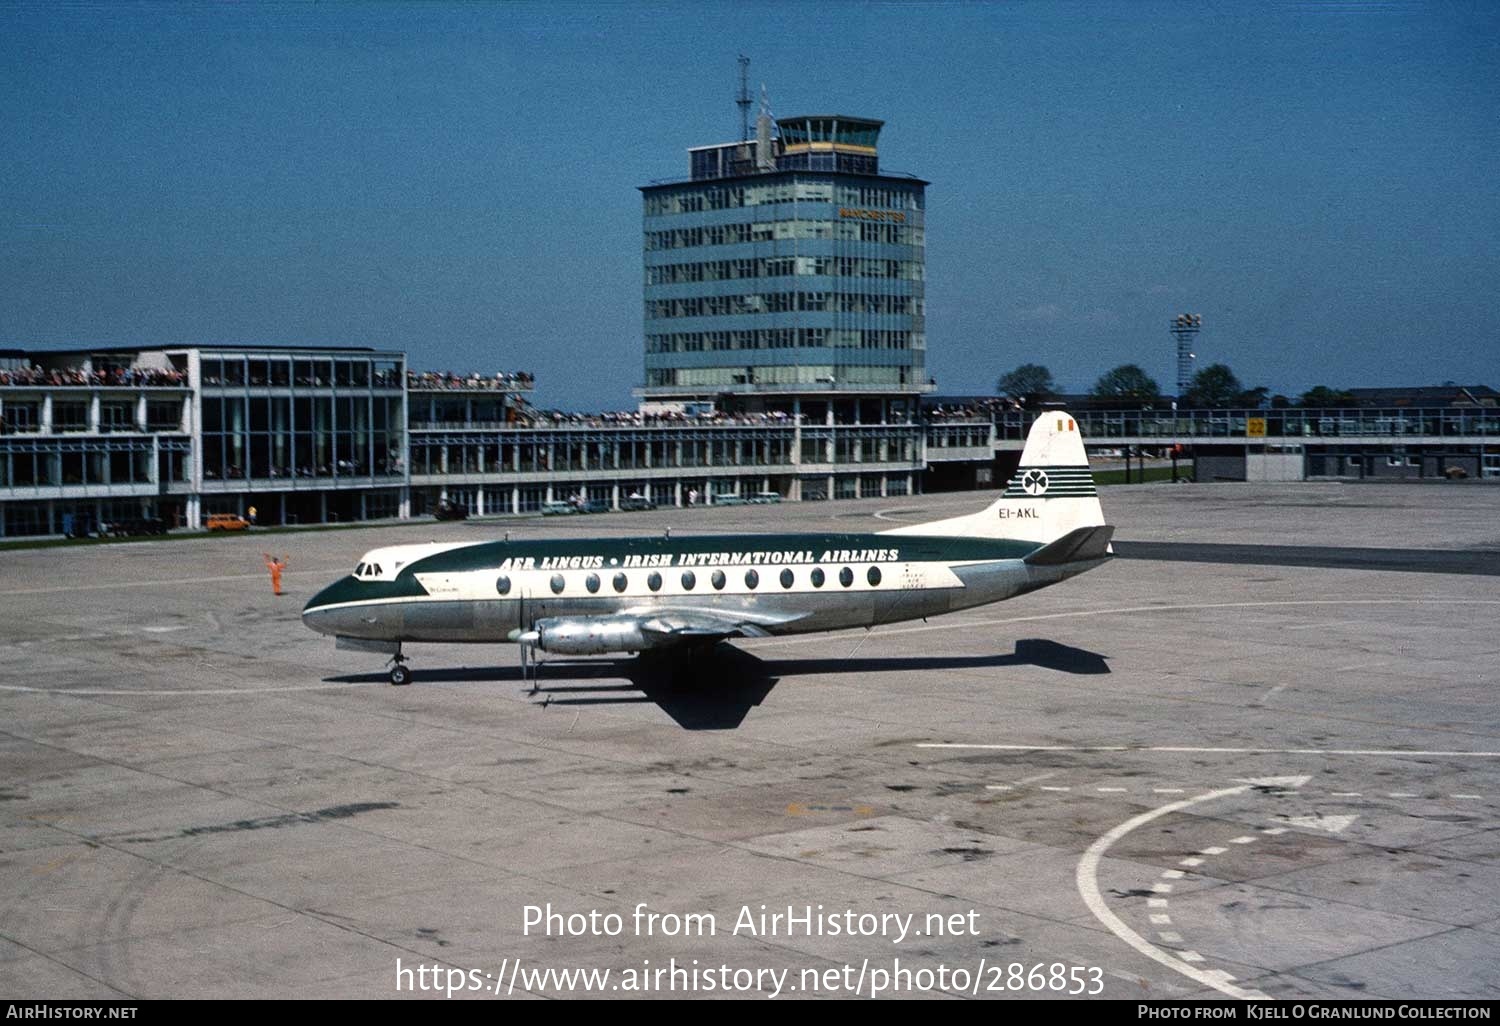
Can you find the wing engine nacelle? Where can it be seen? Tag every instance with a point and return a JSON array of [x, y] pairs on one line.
[[590, 635]]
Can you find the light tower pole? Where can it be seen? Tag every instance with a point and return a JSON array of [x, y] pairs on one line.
[[1185, 329]]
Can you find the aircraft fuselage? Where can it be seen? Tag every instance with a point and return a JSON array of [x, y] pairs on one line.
[[781, 584]]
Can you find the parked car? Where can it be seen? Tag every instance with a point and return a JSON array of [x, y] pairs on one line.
[[227, 522], [448, 510], [728, 500], [765, 498], [595, 506], [558, 509], [634, 503]]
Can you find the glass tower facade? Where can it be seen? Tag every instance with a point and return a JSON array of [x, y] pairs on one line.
[[786, 265]]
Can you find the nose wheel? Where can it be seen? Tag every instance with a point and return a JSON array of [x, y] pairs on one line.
[[400, 672]]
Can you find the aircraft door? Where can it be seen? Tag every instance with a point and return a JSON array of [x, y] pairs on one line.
[[905, 600], [506, 612]]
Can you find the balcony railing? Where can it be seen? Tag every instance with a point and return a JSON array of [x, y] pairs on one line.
[[1305, 424]]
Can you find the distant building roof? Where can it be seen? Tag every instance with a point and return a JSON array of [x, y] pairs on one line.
[[1427, 395], [233, 346]]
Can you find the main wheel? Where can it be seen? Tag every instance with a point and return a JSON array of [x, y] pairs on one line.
[[400, 675]]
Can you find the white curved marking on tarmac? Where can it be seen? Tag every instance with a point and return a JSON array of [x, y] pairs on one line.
[[886, 514], [1088, 888], [822, 639]]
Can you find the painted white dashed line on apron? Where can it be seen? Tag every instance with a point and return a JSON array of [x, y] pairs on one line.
[[1184, 961]]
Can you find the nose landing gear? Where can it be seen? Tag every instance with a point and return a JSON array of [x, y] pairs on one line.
[[400, 672]]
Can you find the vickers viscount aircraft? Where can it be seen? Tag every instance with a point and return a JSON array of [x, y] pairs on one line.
[[639, 595]]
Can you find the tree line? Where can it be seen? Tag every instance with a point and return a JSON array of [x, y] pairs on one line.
[[1213, 387]]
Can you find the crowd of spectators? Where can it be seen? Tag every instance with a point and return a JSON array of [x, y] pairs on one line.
[[975, 409], [635, 418], [119, 377], [502, 382]]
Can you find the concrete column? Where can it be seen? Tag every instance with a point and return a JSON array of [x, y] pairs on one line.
[[479, 501], [94, 413], [614, 501], [322, 507], [140, 412], [515, 499], [403, 505], [47, 413]]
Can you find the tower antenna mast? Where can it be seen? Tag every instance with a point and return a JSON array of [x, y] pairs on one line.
[[743, 101]]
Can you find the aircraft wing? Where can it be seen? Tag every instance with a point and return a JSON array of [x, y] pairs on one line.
[[649, 628], [668, 626]]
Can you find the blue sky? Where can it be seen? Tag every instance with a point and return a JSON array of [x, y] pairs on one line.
[[1320, 181]]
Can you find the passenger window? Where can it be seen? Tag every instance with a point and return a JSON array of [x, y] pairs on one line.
[[718, 580], [689, 581], [817, 577], [752, 579], [557, 584], [591, 582], [502, 585], [620, 582], [654, 581], [873, 576], [787, 577], [846, 577]]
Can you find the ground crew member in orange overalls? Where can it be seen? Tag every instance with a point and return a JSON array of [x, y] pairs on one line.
[[275, 566]]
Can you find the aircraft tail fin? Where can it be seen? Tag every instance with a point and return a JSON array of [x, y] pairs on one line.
[[1051, 495]]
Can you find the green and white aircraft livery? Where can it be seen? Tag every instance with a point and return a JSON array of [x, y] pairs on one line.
[[625, 595]]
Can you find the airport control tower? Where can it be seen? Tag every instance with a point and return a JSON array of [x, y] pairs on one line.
[[787, 268]]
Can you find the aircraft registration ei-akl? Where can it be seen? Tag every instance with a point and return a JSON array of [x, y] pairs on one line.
[[649, 594]]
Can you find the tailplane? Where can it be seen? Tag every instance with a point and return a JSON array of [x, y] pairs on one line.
[[1052, 494]]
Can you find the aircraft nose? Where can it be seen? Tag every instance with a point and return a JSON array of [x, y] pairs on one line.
[[317, 614]]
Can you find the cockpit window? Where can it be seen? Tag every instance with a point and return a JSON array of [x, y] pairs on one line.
[[359, 571]]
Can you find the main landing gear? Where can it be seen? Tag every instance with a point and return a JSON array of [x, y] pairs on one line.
[[400, 672]]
